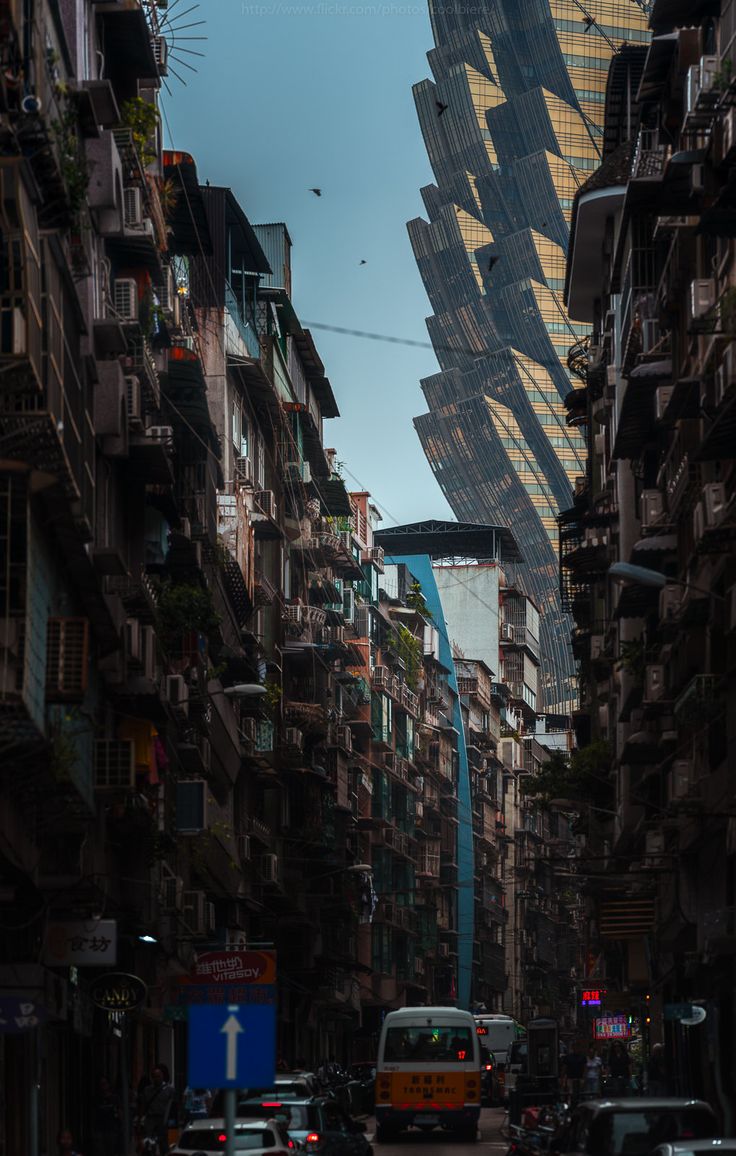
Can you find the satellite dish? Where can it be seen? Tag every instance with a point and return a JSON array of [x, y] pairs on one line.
[[696, 1017]]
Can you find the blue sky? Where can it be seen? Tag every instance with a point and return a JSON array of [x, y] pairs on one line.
[[293, 95]]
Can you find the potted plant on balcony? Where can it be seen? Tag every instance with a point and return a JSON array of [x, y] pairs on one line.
[[186, 614]]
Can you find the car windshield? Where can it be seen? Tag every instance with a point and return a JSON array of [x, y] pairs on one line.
[[429, 1045], [636, 1133], [213, 1139]]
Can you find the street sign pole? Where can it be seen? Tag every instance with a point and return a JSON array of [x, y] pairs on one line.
[[230, 1100]]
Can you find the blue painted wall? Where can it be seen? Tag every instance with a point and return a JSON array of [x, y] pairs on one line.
[[421, 567]]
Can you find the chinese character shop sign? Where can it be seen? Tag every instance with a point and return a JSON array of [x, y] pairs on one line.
[[592, 997], [243, 977], [92, 943]]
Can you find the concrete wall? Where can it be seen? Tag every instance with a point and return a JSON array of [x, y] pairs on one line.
[[469, 596]]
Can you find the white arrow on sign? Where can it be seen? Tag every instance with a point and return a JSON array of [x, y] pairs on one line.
[[232, 1028]]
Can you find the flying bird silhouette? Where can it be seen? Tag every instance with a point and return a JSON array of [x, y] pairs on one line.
[[441, 107], [363, 262], [317, 192], [588, 21]]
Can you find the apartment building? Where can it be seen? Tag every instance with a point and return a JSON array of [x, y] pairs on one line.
[[646, 552]]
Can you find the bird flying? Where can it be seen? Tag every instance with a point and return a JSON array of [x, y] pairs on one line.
[[317, 192]]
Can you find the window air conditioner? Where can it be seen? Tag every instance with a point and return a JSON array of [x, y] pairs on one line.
[[702, 297], [270, 868], [293, 737], [244, 850], [662, 400], [243, 471], [135, 405], [125, 298], [176, 693], [670, 601], [507, 632], [692, 88], [708, 68], [652, 507], [265, 503], [654, 682], [714, 499], [198, 912], [299, 472], [344, 738], [132, 207]]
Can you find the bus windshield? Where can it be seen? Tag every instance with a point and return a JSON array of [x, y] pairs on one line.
[[429, 1045]]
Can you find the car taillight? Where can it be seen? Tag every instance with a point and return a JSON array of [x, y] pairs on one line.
[[222, 1138], [313, 1138], [489, 1067], [271, 1104]]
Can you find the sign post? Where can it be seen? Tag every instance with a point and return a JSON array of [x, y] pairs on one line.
[[232, 1046]]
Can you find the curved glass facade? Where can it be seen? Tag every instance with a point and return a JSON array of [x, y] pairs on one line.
[[512, 122]]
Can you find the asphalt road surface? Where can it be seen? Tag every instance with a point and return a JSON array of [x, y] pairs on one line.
[[439, 1143]]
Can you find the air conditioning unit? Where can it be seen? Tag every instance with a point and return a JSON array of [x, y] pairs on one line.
[[198, 912], [133, 640], [599, 444], [670, 601], [299, 472], [294, 613], [725, 377], [161, 433], [729, 132], [265, 503], [176, 694], [135, 404], [244, 471], [708, 69], [662, 399], [148, 652], [172, 892], [114, 765], [650, 333], [125, 298], [697, 179], [653, 848], [507, 632], [679, 780], [248, 728], [270, 868], [132, 207], [443, 950], [698, 522], [293, 737], [348, 604], [244, 848], [344, 737], [160, 54], [652, 507], [714, 501], [702, 298], [692, 88], [654, 682]]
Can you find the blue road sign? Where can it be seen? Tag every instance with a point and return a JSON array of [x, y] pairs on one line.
[[232, 1046]]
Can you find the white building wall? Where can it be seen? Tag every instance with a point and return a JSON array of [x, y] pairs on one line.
[[469, 597]]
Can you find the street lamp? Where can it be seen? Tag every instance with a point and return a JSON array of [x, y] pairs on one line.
[[643, 576]]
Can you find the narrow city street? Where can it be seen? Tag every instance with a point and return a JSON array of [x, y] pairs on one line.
[[444, 1143]]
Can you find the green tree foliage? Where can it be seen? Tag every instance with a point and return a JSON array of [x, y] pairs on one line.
[[583, 775]]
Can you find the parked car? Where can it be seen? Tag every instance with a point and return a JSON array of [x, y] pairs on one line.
[[515, 1065], [318, 1125], [634, 1127], [286, 1086], [257, 1137], [491, 1092]]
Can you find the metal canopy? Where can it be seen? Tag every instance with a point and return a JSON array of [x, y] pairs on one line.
[[450, 540]]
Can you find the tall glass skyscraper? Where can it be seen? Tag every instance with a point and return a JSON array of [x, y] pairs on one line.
[[512, 121]]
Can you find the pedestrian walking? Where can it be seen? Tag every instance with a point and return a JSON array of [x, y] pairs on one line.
[[592, 1073], [573, 1067], [65, 1144], [106, 1121], [619, 1069], [154, 1109]]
